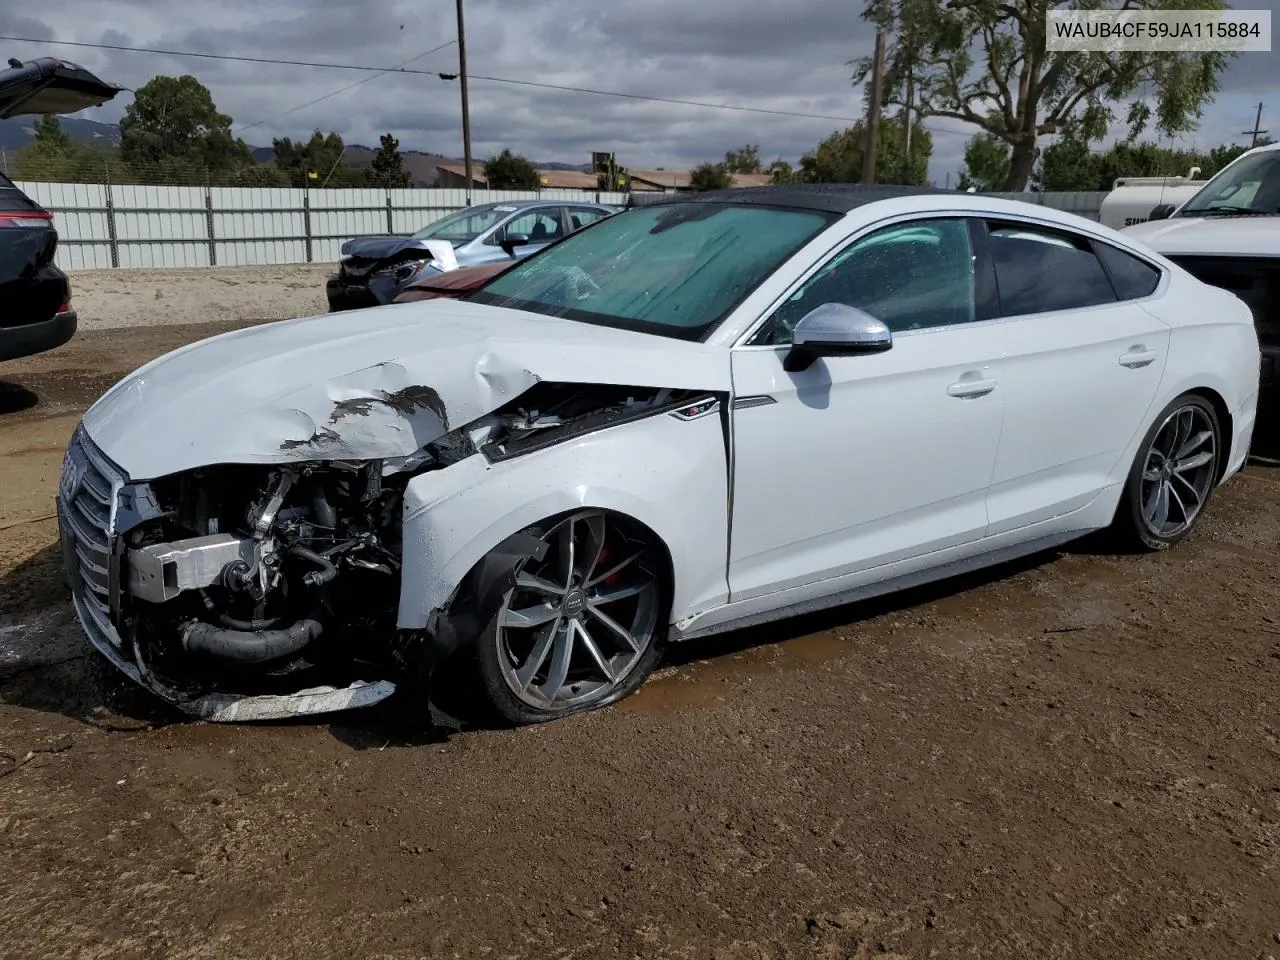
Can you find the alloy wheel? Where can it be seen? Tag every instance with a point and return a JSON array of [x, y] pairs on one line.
[[1179, 471], [576, 623]]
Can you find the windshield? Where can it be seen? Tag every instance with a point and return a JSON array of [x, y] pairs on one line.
[[670, 269], [465, 225], [1251, 185]]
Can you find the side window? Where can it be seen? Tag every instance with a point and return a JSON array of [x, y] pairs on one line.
[[540, 226], [910, 276], [580, 217], [1038, 271], [1133, 278]]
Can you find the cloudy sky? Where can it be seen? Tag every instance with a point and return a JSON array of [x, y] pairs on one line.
[[788, 55]]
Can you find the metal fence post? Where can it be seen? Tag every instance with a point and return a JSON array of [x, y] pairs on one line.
[[112, 239], [306, 222], [390, 223], [208, 216]]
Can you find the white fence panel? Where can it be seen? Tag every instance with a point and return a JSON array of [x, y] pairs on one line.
[[258, 225], [249, 253]]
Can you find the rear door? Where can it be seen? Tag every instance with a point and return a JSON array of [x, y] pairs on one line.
[[1082, 361]]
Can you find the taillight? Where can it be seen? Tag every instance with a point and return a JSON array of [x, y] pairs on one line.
[[25, 218]]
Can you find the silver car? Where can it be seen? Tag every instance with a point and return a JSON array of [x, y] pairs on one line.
[[375, 270]]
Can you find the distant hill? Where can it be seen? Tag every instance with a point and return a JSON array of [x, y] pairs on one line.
[[19, 131]]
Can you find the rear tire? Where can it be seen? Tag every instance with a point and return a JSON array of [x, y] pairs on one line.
[[1172, 478]]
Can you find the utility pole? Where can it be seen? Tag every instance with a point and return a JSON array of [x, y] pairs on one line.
[[873, 113], [466, 108], [1256, 132], [906, 118]]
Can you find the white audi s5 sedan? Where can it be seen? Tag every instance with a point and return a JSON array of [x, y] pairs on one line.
[[704, 412]]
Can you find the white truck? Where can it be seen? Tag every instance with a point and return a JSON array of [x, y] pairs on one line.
[[1228, 234], [1132, 199]]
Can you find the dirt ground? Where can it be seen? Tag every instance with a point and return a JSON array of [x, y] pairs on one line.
[[1077, 756], [109, 299]]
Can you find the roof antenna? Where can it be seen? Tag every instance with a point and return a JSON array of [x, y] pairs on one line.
[[15, 63]]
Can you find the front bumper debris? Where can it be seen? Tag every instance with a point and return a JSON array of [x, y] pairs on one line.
[[237, 708], [86, 507]]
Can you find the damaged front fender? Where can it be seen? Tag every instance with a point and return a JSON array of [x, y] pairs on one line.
[[456, 518]]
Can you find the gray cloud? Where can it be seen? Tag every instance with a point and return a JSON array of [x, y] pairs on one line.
[[788, 55]]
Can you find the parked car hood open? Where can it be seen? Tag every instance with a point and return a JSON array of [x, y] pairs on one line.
[[367, 384], [373, 249], [50, 86]]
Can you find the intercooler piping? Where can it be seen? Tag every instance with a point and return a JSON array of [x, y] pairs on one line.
[[244, 646]]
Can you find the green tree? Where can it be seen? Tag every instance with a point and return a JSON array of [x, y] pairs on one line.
[[51, 139], [838, 158], [317, 162], [710, 176], [388, 166], [259, 175], [986, 164], [744, 160], [510, 171], [1070, 165], [174, 128], [782, 173], [985, 62]]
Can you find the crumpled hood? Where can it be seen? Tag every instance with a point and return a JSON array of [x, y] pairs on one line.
[[380, 248], [366, 384], [1222, 236]]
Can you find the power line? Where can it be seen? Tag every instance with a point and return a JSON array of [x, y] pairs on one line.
[[450, 76], [217, 56], [350, 86]]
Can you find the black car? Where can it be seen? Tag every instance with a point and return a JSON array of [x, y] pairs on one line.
[[35, 296]]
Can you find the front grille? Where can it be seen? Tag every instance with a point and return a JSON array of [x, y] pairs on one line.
[[87, 495]]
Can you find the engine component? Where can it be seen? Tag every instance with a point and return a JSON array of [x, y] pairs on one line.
[[319, 577], [264, 518], [160, 572], [249, 646]]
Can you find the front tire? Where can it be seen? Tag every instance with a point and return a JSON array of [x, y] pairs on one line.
[[581, 628], [1173, 476]]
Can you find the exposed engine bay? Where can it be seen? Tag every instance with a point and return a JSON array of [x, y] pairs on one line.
[[255, 581]]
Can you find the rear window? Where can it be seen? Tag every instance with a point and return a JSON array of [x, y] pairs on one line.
[[1133, 278]]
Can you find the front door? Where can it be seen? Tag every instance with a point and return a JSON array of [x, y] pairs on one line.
[[861, 461]]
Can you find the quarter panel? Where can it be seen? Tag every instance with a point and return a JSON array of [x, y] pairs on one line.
[[668, 474]]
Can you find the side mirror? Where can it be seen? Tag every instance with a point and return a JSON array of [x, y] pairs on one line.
[[1161, 211], [510, 241], [835, 330]]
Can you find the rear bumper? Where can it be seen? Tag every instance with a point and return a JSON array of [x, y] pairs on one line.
[[32, 338]]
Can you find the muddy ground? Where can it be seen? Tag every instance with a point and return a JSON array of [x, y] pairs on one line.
[[1077, 756]]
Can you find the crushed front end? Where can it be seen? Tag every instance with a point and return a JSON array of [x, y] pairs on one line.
[[243, 592], [237, 593]]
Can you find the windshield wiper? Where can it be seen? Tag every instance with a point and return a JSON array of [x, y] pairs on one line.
[[1232, 211]]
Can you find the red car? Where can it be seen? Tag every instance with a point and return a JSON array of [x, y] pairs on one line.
[[454, 283]]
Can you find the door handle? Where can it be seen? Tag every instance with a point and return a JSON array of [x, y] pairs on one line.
[[1137, 357], [968, 389]]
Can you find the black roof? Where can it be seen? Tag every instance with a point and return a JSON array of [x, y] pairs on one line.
[[828, 197]]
